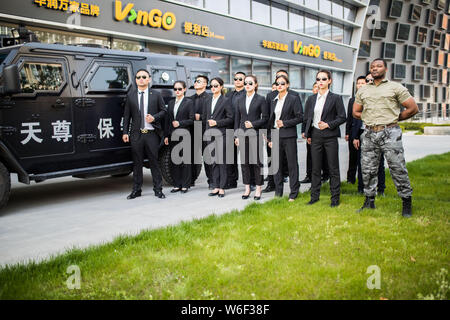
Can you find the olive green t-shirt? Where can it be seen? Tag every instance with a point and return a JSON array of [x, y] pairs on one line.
[[381, 104]]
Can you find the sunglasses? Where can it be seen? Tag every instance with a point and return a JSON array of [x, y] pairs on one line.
[[215, 85], [248, 83], [321, 79], [199, 81], [177, 89], [139, 77], [238, 79], [280, 83], [369, 80]]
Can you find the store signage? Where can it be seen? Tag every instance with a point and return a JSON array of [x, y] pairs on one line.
[[274, 45], [200, 30], [153, 18], [310, 50], [70, 6]]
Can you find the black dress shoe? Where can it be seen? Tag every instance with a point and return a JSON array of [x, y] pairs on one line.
[[312, 201], [269, 189], [306, 180], [257, 198], [221, 195], [134, 194], [212, 194], [245, 196], [160, 195], [175, 190], [334, 203]]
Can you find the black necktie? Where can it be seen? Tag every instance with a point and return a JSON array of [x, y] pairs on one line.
[[141, 106]]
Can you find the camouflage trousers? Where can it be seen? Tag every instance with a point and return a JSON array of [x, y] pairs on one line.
[[373, 144]]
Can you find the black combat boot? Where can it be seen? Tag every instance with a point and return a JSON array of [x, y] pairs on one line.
[[407, 207], [369, 203]]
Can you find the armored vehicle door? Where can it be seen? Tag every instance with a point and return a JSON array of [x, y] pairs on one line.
[[37, 123], [101, 107]]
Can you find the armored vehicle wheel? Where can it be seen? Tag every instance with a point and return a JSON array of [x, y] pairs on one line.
[[166, 165], [5, 185]]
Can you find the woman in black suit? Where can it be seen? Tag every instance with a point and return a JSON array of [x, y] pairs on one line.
[[180, 116], [286, 113], [252, 114], [217, 115], [326, 114]]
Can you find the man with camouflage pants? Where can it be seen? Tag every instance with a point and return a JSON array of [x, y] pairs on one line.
[[378, 106]]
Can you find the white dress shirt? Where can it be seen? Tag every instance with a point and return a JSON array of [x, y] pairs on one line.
[[248, 101], [176, 106], [279, 108], [213, 103], [148, 126], [318, 108]]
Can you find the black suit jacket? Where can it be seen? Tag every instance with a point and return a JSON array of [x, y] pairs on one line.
[[185, 116], [353, 125], [333, 113], [200, 101], [223, 114], [291, 115], [258, 113], [155, 107]]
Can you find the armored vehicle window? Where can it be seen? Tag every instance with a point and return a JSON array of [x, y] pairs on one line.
[[109, 78], [164, 77], [36, 76]]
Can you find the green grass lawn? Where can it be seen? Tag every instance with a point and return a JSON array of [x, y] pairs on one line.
[[275, 250]]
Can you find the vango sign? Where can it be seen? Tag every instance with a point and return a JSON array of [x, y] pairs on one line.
[[153, 18]]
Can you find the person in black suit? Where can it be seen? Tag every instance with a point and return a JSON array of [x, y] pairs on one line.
[[218, 115], [351, 122], [269, 99], [326, 114], [251, 115], [234, 95], [325, 173], [286, 112], [180, 115], [146, 109], [200, 98]]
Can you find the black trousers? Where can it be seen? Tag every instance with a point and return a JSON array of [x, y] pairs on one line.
[[181, 174], [352, 162], [232, 169], [330, 146], [288, 149], [146, 144], [195, 167], [218, 168], [270, 180], [251, 171], [325, 171]]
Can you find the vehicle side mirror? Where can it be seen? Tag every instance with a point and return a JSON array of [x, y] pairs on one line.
[[11, 80]]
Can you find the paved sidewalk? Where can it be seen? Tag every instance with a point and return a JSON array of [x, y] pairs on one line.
[[48, 218]]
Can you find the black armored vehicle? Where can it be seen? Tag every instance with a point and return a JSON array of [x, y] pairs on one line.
[[61, 108]]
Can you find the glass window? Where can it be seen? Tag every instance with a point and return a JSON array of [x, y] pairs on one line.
[[67, 38], [261, 11], [364, 48], [278, 66], [411, 89], [296, 20], [219, 6], [108, 78], [312, 4], [261, 69], [338, 33], [325, 29], [36, 76], [338, 9], [128, 45], [421, 35], [389, 50], [348, 31], [325, 6], [310, 77], [380, 33], [349, 12], [435, 38], [402, 33], [296, 76], [418, 73], [198, 3], [241, 64], [431, 17], [415, 13], [224, 65], [279, 16], [410, 53], [395, 10], [240, 9], [189, 53], [427, 54], [338, 80], [311, 25], [399, 71]]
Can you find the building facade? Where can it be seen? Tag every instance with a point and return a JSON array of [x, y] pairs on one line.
[[253, 36], [414, 37]]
